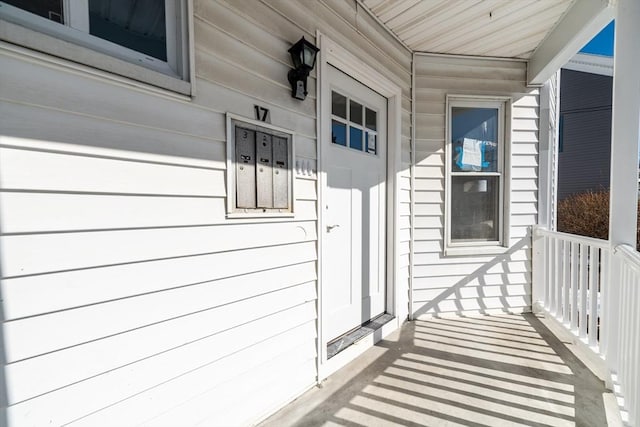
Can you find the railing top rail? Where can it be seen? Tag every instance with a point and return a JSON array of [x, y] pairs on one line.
[[598, 243], [629, 254]]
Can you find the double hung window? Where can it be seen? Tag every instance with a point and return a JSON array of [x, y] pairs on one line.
[[476, 173], [148, 33]]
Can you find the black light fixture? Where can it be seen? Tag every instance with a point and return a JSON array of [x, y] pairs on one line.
[[303, 54]]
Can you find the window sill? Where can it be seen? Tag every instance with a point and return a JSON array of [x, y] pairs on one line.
[[475, 250], [259, 215], [60, 52]]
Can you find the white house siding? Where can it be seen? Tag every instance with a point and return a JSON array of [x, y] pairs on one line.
[[127, 296], [458, 284]]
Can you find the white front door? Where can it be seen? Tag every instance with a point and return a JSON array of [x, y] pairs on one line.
[[354, 206]]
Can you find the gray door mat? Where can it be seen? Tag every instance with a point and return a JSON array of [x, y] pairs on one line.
[[337, 345]]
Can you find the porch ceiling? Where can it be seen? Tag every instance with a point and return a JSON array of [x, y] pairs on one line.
[[546, 33], [497, 28]]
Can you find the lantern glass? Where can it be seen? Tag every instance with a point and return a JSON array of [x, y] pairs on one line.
[[296, 56], [309, 56]]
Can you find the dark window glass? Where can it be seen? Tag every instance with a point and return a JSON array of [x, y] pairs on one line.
[[338, 133], [338, 105], [136, 24], [474, 208], [355, 138], [50, 9], [474, 139], [371, 119], [355, 112]]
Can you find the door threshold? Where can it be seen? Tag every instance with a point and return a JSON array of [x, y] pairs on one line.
[[353, 336]]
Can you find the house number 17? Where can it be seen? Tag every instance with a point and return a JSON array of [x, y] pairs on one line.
[[262, 114]]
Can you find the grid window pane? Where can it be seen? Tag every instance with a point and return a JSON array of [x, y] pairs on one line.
[[355, 138], [475, 208], [355, 112], [338, 105], [371, 119], [371, 142], [338, 133]]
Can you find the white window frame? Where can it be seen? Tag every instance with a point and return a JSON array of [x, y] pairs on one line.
[[233, 212], [503, 105], [72, 41]]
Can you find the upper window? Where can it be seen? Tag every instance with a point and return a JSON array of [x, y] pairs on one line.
[[150, 33], [476, 172]]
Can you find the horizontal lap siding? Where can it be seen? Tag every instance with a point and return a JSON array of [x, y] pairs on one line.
[[126, 290], [471, 283]]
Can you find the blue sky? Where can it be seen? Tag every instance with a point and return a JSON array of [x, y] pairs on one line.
[[602, 44]]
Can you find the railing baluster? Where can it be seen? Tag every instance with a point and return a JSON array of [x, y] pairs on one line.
[[604, 300], [594, 267], [582, 310], [556, 278], [624, 333], [566, 282], [552, 275], [560, 277], [635, 353], [547, 272], [574, 285]]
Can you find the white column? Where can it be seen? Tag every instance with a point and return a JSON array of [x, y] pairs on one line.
[[546, 183], [624, 152]]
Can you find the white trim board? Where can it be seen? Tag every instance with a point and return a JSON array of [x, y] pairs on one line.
[[341, 58]]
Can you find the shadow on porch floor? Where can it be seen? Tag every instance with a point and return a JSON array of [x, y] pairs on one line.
[[471, 371]]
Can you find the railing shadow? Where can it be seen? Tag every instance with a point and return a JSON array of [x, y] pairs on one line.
[[479, 275], [443, 378]]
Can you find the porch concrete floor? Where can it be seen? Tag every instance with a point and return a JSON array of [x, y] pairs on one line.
[[471, 371]]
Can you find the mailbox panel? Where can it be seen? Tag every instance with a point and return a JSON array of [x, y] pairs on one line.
[[264, 169], [245, 168], [280, 173], [259, 166]]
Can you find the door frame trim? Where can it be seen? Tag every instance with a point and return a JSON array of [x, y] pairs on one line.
[[332, 53]]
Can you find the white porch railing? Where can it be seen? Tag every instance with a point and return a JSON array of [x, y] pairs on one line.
[[571, 282]]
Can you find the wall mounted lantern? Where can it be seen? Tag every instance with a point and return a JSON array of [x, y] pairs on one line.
[[303, 54]]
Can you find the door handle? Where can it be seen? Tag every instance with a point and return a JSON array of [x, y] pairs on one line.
[[331, 227]]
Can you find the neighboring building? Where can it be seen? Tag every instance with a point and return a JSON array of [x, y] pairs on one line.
[[584, 156], [586, 88], [184, 243]]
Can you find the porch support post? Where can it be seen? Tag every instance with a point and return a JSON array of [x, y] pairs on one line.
[[624, 156], [549, 107]]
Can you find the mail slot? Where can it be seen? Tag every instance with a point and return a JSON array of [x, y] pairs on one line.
[[280, 175], [245, 168], [264, 169]]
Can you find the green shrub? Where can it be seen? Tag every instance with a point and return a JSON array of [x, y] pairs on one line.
[[587, 214]]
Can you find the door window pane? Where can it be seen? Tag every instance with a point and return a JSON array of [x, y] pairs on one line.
[[338, 105], [474, 139], [371, 119], [338, 133], [50, 9], [371, 141], [355, 112], [475, 208], [355, 138], [136, 24]]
